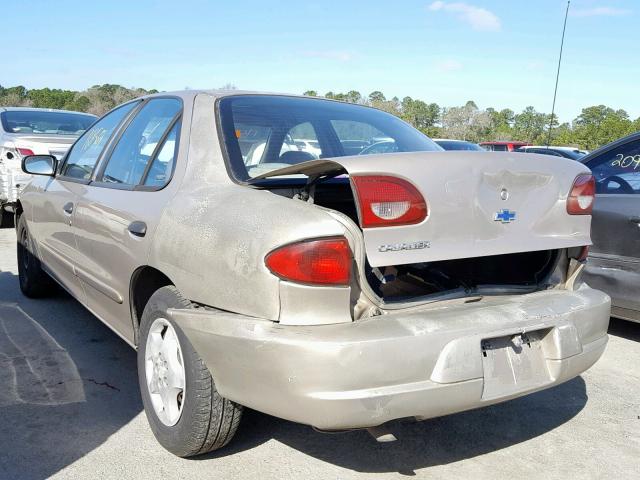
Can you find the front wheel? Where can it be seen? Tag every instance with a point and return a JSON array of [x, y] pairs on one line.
[[186, 413]]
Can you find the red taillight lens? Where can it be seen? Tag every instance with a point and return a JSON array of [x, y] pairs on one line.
[[388, 201], [316, 262], [25, 151], [582, 195]]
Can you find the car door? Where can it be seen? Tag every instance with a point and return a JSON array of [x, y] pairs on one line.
[[614, 259], [54, 210], [120, 208]]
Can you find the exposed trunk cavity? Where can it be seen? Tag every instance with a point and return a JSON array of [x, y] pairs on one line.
[[528, 271]]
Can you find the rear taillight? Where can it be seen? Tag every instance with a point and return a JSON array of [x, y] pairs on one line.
[[386, 201], [317, 262], [582, 195], [24, 151]]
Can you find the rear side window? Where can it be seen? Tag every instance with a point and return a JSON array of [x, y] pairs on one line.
[[85, 152], [267, 132], [617, 171], [142, 142], [161, 167]]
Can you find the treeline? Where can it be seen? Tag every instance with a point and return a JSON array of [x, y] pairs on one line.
[[595, 126], [97, 99]]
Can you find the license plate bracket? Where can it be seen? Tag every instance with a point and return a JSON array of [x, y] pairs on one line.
[[513, 364]]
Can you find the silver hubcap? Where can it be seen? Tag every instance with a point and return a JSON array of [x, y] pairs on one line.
[[164, 369]]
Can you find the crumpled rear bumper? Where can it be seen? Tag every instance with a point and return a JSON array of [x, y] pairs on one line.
[[11, 183], [423, 363]]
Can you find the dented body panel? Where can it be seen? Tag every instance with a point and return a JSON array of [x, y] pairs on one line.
[[465, 191], [423, 363]]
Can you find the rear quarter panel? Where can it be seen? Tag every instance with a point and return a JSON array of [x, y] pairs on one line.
[[213, 236]]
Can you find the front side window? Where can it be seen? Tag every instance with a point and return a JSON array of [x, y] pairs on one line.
[[85, 152], [264, 133], [36, 122], [617, 171], [141, 142]]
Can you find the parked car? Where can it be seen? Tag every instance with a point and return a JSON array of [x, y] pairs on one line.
[[342, 292], [449, 144], [28, 131], [506, 146], [566, 152], [614, 258]]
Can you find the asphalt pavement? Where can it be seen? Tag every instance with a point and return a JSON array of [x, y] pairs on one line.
[[70, 408]]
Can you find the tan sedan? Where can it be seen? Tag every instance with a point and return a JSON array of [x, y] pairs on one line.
[[339, 287]]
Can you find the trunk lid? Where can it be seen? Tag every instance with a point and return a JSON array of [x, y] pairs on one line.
[[56, 145], [479, 204]]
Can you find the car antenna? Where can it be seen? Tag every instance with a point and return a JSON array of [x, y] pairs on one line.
[[555, 91]]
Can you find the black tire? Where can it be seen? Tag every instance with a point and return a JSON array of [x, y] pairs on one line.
[[34, 281], [208, 421]]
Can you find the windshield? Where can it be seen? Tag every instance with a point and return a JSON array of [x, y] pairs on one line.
[[45, 123], [574, 154], [264, 133]]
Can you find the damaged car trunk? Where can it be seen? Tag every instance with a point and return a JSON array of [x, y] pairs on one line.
[[494, 274], [506, 234]]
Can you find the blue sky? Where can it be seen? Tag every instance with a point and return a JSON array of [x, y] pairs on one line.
[[497, 53]]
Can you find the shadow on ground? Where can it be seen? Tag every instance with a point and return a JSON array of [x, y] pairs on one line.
[[67, 382], [625, 329], [433, 442]]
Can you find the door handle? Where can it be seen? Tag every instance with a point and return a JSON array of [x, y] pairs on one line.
[[137, 228], [68, 208], [635, 220]]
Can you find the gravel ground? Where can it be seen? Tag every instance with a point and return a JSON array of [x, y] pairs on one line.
[[70, 408]]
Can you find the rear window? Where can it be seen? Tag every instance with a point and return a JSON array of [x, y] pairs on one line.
[[459, 145], [263, 133], [45, 123]]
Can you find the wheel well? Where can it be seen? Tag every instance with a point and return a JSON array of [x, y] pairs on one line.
[[144, 282]]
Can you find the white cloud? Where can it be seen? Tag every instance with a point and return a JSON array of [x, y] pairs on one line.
[[339, 55], [479, 18], [449, 66], [599, 12]]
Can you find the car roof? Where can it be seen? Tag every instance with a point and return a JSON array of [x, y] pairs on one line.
[[221, 93], [32, 109], [553, 147], [450, 140], [610, 146]]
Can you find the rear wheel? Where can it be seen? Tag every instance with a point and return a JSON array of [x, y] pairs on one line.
[[186, 413], [34, 281]]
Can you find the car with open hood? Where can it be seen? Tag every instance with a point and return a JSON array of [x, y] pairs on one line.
[[342, 288]]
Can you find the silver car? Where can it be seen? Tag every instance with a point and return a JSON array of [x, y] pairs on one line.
[[28, 131], [340, 292], [614, 258]]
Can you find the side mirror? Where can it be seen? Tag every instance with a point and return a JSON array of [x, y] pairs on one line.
[[40, 165]]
